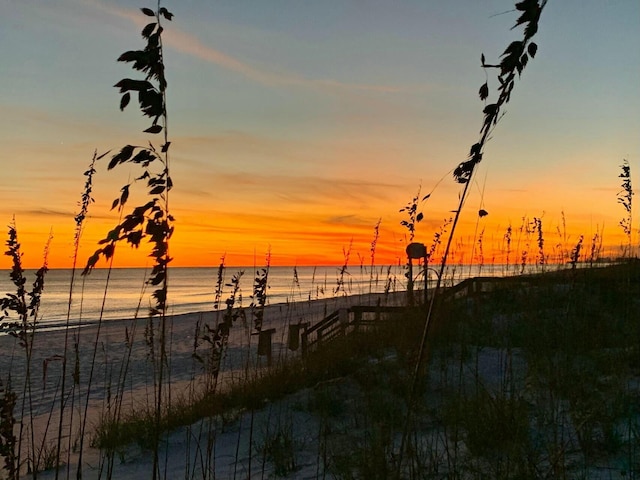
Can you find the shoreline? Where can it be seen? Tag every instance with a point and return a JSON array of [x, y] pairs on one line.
[[313, 306], [271, 311]]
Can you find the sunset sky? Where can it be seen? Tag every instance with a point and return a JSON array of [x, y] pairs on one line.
[[296, 126]]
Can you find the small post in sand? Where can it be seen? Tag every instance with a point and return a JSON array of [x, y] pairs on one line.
[[264, 344]]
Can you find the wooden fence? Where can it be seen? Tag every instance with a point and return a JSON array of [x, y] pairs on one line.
[[343, 322]]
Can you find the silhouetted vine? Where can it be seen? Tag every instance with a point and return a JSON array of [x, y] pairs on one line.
[[513, 61], [151, 220]]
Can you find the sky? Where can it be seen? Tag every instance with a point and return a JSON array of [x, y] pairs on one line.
[[297, 126]]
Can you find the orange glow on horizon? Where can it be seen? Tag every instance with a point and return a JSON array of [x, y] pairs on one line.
[[315, 241]]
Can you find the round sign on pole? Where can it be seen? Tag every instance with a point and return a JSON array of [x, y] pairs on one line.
[[416, 250]]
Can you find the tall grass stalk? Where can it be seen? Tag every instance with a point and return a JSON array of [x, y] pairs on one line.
[[374, 243], [562, 247], [96, 344], [513, 60], [259, 297], [480, 252], [525, 229], [258, 302], [85, 200], [507, 241], [478, 240], [413, 218], [537, 228], [413, 215], [115, 413], [575, 253], [596, 247], [343, 271], [25, 306], [8, 439], [209, 463], [625, 198], [152, 220]]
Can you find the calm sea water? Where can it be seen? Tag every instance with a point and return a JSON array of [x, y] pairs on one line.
[[193, 289]]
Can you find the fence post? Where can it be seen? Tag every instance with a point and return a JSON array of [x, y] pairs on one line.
[[264, 344], [304, 340], [343, 318]]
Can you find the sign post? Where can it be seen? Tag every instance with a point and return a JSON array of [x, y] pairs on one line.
[[415, 250]]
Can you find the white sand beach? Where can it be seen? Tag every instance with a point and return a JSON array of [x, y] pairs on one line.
[[122, 353]]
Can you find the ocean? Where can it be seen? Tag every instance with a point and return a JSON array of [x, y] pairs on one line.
[[193, 289]]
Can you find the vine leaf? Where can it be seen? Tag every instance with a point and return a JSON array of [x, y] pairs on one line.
[[484, 91], [148, 29], [490, 115], [123, 156], [134, 238], [152, 220], [125, 195], [154, 129], [124, 101], [166, 14], [103, 155], [145, 157], [482, 213], [127, 84], [108, 250], [530, 11]]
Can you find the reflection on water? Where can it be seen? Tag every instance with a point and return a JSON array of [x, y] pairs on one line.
[[193, 289]]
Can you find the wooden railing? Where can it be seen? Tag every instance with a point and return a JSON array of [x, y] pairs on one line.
[[342, 322], [347, 320]]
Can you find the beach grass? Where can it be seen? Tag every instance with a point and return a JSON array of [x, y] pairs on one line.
[[533, 376]]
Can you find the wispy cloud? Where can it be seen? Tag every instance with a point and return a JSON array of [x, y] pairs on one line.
[[235, 142], [299, 191], [47, 212], [348, 220], [67, 215], [191, 45]]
